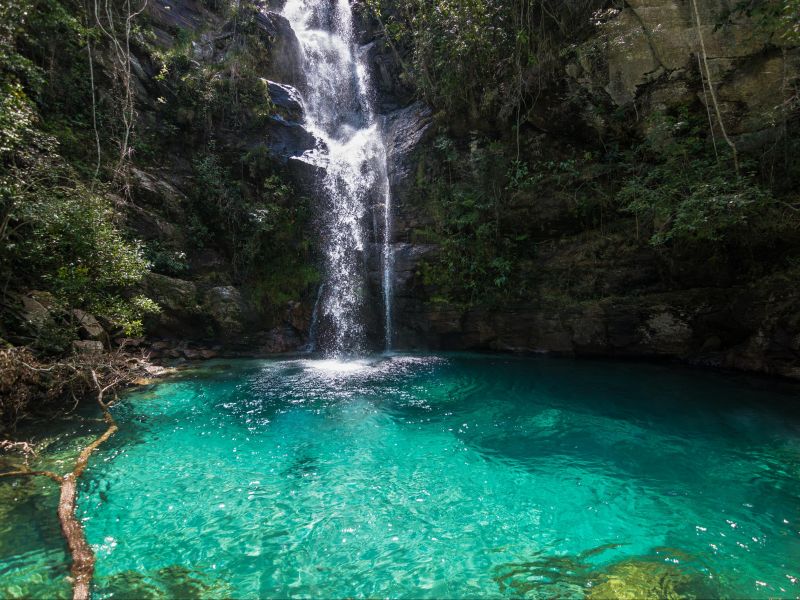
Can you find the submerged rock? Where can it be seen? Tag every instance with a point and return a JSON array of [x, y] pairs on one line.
[[633, 579]]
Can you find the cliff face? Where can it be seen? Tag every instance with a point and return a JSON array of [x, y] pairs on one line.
[[217, 98], [596, 288], [591, 286]]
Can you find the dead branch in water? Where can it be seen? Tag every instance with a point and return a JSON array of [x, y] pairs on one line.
[[118, 371]]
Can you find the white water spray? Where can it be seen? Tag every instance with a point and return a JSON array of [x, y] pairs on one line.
[[339, 112]]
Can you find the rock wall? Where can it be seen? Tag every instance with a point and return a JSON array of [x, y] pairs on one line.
[[205, 304]]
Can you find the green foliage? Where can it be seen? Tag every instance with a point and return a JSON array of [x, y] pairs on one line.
[[778, 18], [165, 260], [220, 90], [791, 20], [676, 183], [474, 55], [58, 233], [481, 252], [64, 239], [260, 225]]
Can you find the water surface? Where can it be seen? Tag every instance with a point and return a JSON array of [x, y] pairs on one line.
[[431, 476]]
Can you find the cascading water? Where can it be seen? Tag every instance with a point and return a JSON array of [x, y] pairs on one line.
[[339, 112]]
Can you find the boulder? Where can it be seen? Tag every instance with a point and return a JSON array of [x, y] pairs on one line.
[[170, 293], [154, 190], [34, 312], [286, 139], [225, 306], [87, 347], [88, 326]]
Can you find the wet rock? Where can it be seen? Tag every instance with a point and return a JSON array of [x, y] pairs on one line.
[[280, 339], [387, 75], [287, 99], [306, 171], [404, 131], [285, 140], [406, 260]]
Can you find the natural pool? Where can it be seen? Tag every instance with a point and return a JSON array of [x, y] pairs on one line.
[[429, 476]]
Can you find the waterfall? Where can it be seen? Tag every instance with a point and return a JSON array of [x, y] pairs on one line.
[[339, 111]]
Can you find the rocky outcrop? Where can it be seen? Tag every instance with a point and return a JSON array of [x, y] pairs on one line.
[[648, 54], [405, 132], [168, 17], [206, 299], [699, 326], [285, 62], [88, 326], [589, 294], [227, 309], [179, 314]]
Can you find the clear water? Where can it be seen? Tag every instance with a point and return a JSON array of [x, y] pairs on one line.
[[338, 104], [430, 476]]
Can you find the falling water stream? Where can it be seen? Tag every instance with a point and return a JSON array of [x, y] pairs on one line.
[[339, 112]]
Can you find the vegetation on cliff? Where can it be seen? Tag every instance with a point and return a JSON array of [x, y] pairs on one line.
[[103, 107], [525, 116]]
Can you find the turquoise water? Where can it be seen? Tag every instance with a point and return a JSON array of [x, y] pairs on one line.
[[430, 476]]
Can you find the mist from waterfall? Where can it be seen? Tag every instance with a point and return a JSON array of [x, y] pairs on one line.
[[339, 111]]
